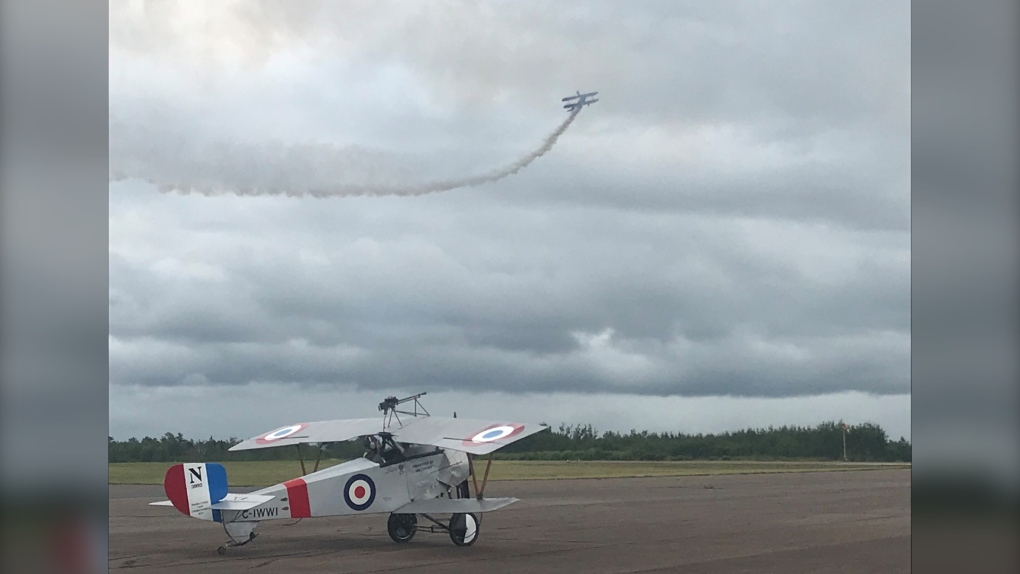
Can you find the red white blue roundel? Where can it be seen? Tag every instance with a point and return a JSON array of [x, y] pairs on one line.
[[494, 433], [359, 492], [281, 433]]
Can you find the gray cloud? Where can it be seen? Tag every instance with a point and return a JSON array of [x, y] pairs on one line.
[[732, 218], [405, 302]]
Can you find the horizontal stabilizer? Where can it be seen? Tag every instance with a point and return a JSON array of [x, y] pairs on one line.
[[454, 505], [230, 502], [241, 501]]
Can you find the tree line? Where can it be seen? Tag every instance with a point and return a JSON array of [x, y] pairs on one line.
[[864, 443]]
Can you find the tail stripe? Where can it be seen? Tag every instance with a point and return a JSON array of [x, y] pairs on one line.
[[297, 495]]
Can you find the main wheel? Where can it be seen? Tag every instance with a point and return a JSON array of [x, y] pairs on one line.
[[463, 529], [402, 527]]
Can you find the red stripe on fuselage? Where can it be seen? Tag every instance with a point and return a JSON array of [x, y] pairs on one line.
[[297, 495]]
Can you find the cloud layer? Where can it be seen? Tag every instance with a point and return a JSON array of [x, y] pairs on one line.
[[732, 218]]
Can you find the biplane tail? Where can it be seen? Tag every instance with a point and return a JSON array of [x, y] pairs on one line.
[[199, 490]]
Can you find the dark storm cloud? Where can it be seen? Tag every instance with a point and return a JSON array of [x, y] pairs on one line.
[[568, 308], [731, 219]]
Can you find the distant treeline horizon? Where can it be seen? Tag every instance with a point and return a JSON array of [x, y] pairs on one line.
[[865, 442]]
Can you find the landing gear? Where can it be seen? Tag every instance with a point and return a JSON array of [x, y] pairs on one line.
[[463, 529], [402, 527]]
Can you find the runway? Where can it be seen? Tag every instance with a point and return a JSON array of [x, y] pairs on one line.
[[807, 522]]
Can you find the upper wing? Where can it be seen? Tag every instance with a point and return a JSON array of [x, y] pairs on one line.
[[468, 435], [321, 431]]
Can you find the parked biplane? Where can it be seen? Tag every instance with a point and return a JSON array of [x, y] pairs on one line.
[[418, 465]]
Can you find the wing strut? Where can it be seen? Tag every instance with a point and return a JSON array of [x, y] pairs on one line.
[[480, 492], [318, 457], [301, 458]]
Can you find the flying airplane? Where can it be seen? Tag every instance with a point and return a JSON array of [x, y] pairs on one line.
[[582, 100], [418, 465]]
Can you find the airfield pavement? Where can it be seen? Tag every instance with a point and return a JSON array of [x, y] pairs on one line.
[[807, 522]]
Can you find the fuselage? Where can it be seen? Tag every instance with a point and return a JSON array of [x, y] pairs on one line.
[[361, 486]]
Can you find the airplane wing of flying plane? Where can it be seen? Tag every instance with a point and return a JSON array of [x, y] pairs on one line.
[[576, 102]]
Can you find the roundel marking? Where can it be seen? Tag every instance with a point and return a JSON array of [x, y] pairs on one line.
[[281, 433], [493, 433], [359, 492]]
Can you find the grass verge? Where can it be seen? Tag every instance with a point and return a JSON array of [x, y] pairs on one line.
[[272, 472]]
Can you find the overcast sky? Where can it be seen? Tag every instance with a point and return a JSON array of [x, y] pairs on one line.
[[722, 241]]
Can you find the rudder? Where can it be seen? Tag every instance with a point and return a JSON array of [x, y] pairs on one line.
[[193, 487]]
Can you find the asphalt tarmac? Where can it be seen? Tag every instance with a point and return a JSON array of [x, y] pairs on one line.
[[809, 522]]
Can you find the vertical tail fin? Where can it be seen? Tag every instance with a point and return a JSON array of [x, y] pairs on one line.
[[193, 487]]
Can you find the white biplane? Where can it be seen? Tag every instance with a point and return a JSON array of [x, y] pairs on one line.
[[419, 465]]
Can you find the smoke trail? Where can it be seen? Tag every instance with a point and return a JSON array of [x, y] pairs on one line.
[[252, 173], [498, 174]]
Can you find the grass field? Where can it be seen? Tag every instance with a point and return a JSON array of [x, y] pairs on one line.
[[272, 472]]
